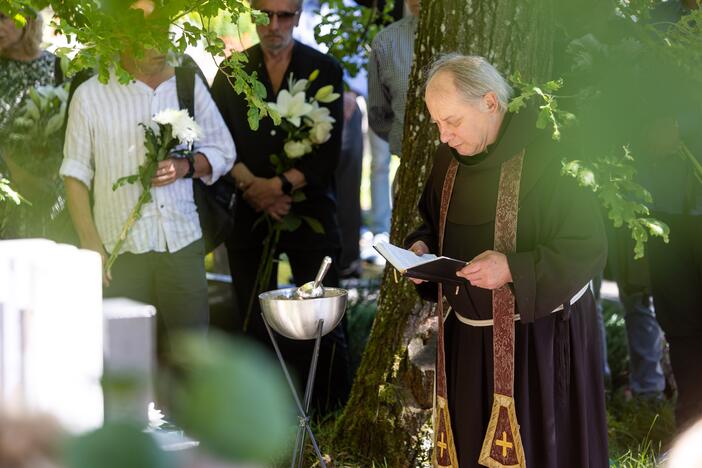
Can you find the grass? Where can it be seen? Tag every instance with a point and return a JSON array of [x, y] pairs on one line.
[[639, 430]]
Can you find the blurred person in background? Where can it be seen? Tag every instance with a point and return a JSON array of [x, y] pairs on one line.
[[389, 68], [25, 65]]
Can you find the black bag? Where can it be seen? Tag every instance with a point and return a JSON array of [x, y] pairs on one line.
[[215, 203]]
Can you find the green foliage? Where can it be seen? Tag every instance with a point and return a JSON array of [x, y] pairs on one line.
[[614, 94], [611, 177], [549, 113], [347, 31], [234, 399], [99, 32], [8, 194], [116, 445], [33, 137]]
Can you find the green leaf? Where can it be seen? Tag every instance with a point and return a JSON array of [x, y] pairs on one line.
[[232, 394], [657, 228], [54, 124], [259, 88], [115, 445], [553, 85], [543, 118], [290, 222], [298, 196], [315, 225], [517, 103], [253, 118], [125, 180]]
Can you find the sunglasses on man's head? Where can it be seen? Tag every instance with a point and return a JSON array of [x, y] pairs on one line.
[[282, 15]]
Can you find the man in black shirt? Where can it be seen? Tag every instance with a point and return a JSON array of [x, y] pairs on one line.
[[275, 59]]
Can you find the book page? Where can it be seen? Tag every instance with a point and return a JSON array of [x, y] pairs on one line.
[[400, 258]]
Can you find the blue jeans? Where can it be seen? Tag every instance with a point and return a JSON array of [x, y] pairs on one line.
[[381, 210], [645, 340]]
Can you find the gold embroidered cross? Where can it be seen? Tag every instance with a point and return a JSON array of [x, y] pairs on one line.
[[442, 445], [504, 444]]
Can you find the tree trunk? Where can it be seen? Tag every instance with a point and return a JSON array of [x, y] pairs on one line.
[[387, 416]]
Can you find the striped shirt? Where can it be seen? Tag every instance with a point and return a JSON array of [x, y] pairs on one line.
[[104, 142], [389, 67]]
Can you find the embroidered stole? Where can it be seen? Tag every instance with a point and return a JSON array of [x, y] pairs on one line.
[[502, 446]]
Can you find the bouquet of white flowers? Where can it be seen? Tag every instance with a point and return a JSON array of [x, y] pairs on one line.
[[306, 125], [174, 127]]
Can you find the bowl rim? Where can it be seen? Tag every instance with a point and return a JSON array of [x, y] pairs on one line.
[[263, 296]]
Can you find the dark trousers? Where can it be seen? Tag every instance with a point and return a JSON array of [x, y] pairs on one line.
[[676, 280], [175, 284], [332, 382], [348, 191]]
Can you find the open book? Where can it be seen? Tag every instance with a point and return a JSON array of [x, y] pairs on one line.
[[428, 267]]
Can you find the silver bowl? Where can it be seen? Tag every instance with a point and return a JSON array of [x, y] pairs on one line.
[[297, 318]]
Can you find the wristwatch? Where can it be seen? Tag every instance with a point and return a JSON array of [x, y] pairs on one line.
[[287, 185], [191, 166]]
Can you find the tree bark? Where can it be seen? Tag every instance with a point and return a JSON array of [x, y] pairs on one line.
[[387, 416]]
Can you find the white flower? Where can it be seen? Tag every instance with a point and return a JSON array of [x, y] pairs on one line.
[[320, 114], [183, 127], [321, 132], [290, 107], [155, 416], [298, 86], [296, 149], [326, 94]]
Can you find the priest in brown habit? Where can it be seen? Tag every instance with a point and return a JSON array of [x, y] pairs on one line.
[[519, 368]]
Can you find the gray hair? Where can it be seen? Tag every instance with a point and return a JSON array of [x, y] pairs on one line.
[[473, 76]]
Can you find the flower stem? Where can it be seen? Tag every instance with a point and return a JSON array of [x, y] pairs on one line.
[[133, 217], [265, 267]]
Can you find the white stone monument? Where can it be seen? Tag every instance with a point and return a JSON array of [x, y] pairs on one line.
[[51, 331]]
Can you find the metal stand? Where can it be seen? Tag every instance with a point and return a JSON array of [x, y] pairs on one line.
[[304, 420]]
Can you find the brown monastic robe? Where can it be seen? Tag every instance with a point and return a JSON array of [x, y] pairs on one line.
[[561, 246]]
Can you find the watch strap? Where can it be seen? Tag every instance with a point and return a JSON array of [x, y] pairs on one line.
[[191, 166], [287, 186]]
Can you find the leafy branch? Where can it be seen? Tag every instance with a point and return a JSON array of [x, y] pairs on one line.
[[7, 193], [98, 33], [611, 177], [549, 113], [347, 31]]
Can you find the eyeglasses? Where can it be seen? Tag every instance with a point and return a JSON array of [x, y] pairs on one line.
[[282, 15]]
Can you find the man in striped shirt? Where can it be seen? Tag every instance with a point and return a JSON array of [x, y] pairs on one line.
[[389, 67], [162, 260]]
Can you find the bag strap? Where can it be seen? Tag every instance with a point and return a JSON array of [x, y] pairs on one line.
[[58, 72], [185, 84], [78, 79], [185, 88]]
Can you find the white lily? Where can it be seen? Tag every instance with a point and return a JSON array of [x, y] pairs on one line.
[[183, 127], [290, 107], [297, 86], [320, 114]]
